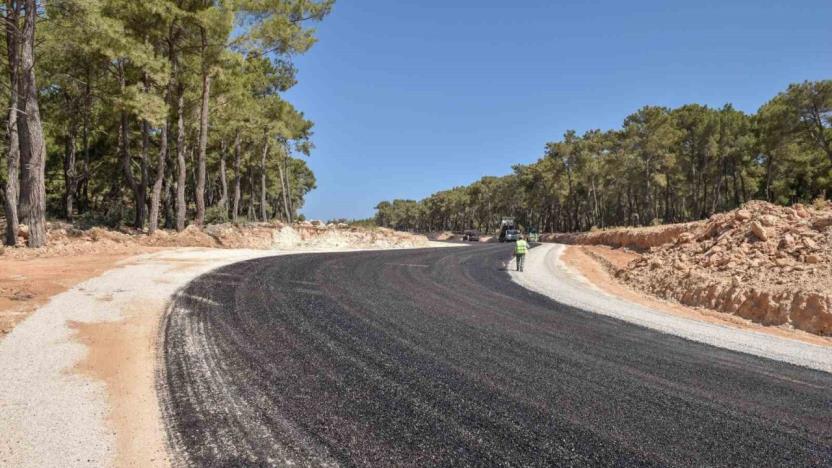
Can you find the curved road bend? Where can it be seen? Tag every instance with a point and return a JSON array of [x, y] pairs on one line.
[[434, 357]]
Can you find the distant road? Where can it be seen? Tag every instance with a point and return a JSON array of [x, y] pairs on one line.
[[435, 357]]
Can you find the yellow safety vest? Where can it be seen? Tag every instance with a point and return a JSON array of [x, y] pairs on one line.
[[520, 247]]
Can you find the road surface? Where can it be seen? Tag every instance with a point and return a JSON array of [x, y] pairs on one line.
[[435, 357]]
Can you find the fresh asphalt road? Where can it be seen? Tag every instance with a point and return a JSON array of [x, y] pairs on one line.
[[435, 357]]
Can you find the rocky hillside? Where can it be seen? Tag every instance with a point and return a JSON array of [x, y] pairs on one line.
[[632, 238], [766, 263]]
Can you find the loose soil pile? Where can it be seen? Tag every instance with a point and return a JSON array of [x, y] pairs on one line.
[[452, 236], [633, 238], [766, 263]]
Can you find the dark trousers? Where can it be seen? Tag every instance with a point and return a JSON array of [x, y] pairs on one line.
[[521, 259]]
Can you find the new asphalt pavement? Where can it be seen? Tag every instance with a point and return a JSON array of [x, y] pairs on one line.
[[435, 357]]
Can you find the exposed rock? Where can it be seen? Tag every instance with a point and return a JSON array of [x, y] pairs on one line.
[[768, 220], [759, 231], [787, 241], [822, 223], [784, 279], [801, 211], [634, 238], [684, 238], [782, 262]]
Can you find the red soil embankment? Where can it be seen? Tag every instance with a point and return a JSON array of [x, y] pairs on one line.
[[631, 238]]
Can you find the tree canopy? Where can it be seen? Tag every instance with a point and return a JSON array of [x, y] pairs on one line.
[[158, 112], [662, 166]]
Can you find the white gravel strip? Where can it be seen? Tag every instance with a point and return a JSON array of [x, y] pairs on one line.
[[52, 416], [545, 273]]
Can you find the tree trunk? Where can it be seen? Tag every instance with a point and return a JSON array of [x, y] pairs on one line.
[[30, 133], [263, 213], [284, 188], [85, 176], [769, 176], [70, 173], [13, 155], [126, 159], [156, 194], [168, 201], [190, 162], [203, 142], [252, 213], [144, 168], [236, 209], [180, 161], [223, 203]]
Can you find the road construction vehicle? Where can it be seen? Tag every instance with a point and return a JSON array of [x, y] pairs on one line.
[[507, 225], [471, 235]]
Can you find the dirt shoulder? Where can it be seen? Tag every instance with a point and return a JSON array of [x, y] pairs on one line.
[[598, 263], [122, 354], [26, 284], [79, 374]]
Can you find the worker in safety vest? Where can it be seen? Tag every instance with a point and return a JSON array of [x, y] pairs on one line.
[[520, 249]]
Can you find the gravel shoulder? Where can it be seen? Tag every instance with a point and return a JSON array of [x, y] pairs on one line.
[[78, 381], [26, 284], [547, 274]]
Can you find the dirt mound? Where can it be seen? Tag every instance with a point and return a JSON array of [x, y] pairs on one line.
[[325, 237], [766, 263], [444, 236], [450, 236], [65, 240], [632, 238]]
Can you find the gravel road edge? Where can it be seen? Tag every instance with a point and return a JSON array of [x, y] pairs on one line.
[[547, 274]]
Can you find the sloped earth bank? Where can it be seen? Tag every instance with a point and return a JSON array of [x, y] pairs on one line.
[[634, 238], [765, 263], [597, 263], [63, 239], [453, 236]]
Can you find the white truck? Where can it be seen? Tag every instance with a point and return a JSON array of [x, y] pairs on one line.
[[508, 230]]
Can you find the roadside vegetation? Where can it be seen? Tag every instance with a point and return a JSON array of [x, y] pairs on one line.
[[662, 166], [155, 113]]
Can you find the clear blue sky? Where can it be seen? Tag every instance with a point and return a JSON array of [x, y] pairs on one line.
[[410, 97]]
